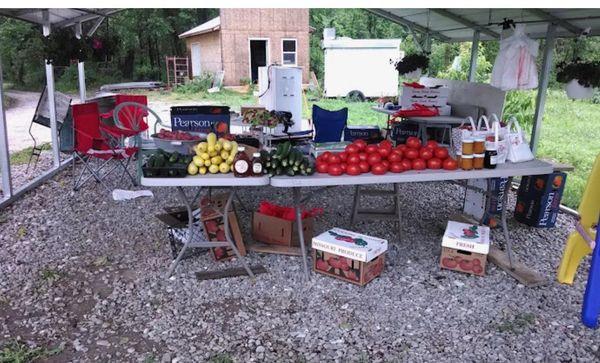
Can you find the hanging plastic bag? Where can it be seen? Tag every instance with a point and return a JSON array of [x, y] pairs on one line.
[[515, 67], [518, 149]]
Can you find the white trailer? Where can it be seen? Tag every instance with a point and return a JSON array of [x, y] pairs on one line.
[[360, 67]]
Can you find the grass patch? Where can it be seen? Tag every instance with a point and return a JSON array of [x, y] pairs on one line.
[[221, 358], [22, 156], [18, 352], [517, 324], [50, 275], [570, 130]]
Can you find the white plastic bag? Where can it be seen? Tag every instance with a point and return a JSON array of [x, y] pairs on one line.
[[497, 139], [518, 149], [460, 133], [515, 67]]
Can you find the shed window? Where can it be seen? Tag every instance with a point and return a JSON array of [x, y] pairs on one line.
[[289, 53]]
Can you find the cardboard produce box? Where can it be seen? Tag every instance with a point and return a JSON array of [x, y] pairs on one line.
[[465, 248], [349, 256], [214, 226], [477, 204], [538, 199], [426, 96], [278, 231]]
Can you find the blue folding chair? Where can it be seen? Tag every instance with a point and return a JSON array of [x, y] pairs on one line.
[[329, 125]]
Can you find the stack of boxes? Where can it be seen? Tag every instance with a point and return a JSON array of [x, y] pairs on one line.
[[538, 199]]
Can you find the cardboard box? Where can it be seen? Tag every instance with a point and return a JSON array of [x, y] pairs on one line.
[[465, 248], [425, 96], [176, 219], [277, 231], [401, 131], [352, 133], [214, 226], [477, 205], [349, 256], [538, 199], [201, 119], [356, 272]]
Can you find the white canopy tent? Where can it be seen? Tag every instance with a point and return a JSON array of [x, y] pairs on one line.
[[475, 25], [48, 19]]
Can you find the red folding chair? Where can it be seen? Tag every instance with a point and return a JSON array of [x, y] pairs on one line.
[[96, 146]]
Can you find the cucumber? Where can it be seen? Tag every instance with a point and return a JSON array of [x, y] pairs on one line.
[[286, 149], [174, 157], [295, 168], [279, 170], [290, 172]]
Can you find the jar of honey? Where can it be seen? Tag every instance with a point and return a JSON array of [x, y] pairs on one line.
[[478, 161], [466, 162], [467, 146], [479, 145], [458, 155]]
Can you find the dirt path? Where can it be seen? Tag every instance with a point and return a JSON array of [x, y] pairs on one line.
[[18, 119]]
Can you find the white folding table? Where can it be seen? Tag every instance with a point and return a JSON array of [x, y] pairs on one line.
[[206, 181], [507, 170]]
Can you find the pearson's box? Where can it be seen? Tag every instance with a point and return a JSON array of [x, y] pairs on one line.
[[352, 133], [465, 248], [201, 119], [538, 199], [349, 256], [278, 231], [211, 210]]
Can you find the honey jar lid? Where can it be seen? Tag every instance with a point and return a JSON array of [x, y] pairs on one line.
[[467, 140], [491, 147], [479, 138], [479, 155], [467, 157]]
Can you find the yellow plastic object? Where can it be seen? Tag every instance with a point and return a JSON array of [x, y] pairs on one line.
[[589, 209]]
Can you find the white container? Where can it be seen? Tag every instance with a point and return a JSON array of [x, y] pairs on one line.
[[467, 237], [416, 74], [426, 96], [577, 91], [355, 246], [280, 89]]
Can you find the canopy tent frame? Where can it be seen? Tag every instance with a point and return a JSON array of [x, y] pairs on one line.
[[48, 19]]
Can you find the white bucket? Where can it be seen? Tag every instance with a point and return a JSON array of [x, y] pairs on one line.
[[577, 91]]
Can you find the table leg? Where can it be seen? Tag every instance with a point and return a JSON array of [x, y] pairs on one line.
[[298, 206], [228, 234], [508, 242], [190, 232]]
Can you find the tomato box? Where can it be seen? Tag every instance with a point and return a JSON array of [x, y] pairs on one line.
[[201, 119], [465, 248], [485, 208], [278, 231], [538, 199], [211, 216], [349, 256]]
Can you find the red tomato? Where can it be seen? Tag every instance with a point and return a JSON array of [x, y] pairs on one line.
[[364, 166], [406, 164], [450, 164], [395, 156], [362, 144], [434, 163], [333, 159], [409, 154], [418, 164], [374, 158], [362, 156], [326, 155], [343, 155], [344, 166], [441, 153], [334, 169], [379, 169], [384, 151], [371, 149], [353, 169], [386, 144], [413, 142], [386, 164], [353, 159], [431, 144], [396, 167], [401, 147], [322, 167], [426, 153], [352, 149], [400, 151]]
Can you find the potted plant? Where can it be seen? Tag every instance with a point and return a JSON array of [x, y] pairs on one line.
[[580, 78], [412, 65]]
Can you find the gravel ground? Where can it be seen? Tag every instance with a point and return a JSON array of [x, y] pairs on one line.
[[87, 274]]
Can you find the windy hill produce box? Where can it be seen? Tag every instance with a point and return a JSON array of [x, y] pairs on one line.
[[348, 256], [465, 248], [211, 216]]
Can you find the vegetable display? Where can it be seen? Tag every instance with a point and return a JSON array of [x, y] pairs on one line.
[[165, 164], [213, 156], [359, 158], [286, 160]]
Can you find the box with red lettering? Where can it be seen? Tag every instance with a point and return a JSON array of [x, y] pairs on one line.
[[465, 248]]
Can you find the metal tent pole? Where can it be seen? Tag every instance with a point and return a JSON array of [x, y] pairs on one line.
[[474, 54], [80, 68], [51, 100], [540, 101], [4, 151]]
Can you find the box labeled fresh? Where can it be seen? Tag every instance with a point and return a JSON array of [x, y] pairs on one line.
[[465, 248]]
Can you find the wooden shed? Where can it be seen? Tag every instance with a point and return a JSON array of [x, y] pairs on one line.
[[239, 41]]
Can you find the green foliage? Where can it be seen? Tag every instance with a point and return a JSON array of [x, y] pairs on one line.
[[197, 85], [459, 70], [587, 74], [21, 49], [18, 352], [521, 105], [95, 76]]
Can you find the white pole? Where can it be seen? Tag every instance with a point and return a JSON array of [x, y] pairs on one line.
[[474, 54], [51, 100], [540, 101], [4, 151], [80, 68]]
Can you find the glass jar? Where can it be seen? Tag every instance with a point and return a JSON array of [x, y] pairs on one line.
[[257, 165], [491, 154], [478, 161], [241, 164], [458, 156], [467, 146], [466, 162], [479, 145]]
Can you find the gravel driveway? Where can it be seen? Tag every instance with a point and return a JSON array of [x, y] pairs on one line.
[[84, 273]]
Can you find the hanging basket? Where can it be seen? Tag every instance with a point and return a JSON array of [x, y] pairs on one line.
[[577, 92], [416, 74]]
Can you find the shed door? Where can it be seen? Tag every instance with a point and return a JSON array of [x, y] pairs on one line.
[[196, 67]]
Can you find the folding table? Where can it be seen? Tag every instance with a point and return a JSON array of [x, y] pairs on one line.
[[507, 170], [206, 181]]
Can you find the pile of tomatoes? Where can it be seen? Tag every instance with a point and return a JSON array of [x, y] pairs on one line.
[[360, 157]]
